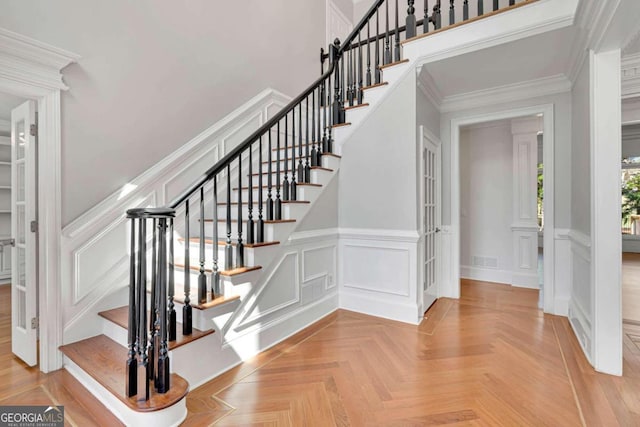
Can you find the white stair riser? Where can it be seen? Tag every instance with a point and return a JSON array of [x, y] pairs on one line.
[[253, 256], [305, 192], [289, 211], [272, 232]]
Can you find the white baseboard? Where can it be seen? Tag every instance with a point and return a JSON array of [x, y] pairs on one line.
[[485, 274], [525, 280], [581, 326], [360, 302]]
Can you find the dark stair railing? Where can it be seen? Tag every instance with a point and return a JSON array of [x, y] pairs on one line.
[[312, 114]]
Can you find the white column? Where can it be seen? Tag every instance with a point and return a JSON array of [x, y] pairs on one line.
[[524, 227]]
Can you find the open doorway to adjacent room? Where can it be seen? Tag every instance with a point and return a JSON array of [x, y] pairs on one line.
[[502, 202]]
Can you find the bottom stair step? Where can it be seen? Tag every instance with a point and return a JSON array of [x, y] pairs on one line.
[[104, 360], [120, 316]]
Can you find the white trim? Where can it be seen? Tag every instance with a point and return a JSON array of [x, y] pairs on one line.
[[31, 69], [314, 235], [486, 274], [579, 238], [562, 233], [630, 76], [453, 288], [508, 93], [428, 86], [408, 236]]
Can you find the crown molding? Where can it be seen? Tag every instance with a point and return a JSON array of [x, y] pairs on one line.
[[428, 86], [589, 21], [508, 93], [26, 61]]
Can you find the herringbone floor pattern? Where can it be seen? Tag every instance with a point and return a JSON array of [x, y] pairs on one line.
[[491, 358]]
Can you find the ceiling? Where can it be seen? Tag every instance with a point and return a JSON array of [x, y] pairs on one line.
[[535, 57], [8, 103]]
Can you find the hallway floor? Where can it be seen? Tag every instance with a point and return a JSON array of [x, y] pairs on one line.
[[491, 358]]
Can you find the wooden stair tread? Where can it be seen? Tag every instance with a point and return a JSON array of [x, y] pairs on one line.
[[284, 202], [120, 316], [299, 184], [281, 173], [104, 360], [272, 221], [219, 300], [223, 243], [393, 64], [339, 125], [375, 86], [225, 273], [353, 107]]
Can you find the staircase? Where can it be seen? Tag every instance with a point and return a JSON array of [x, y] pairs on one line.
[[198, 264]]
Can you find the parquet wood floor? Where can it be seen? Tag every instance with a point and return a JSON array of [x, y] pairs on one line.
[[489, 359], [22, 385]]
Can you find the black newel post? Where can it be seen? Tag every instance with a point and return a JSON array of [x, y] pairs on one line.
[[172, 286], [132, 360], [337, 103]]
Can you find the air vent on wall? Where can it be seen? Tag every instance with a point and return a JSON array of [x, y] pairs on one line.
[[486, 262]]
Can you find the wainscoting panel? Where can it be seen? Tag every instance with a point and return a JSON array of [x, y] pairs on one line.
[[580, 305], [562, 273], [378, 273], [95, 246]]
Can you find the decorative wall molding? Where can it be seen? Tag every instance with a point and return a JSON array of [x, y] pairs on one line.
[[94, 246], [314, 235], [508, 93], [408, 236], [561, 233], [580, 238]]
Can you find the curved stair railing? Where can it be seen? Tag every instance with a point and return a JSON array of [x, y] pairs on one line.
[[272, 163]]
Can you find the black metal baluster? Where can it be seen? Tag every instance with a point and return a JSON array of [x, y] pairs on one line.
[[325, 126], [319, 131], [250, 238], [307, 167], [285, 181], [228, 247], [142, 374], [260, 224], [397, 48], [480, 7], [240, 245], [387, 41], [152, 299], [426, 19], [349, 78], [360, 70], [378, 73], [512, 2], [187, 312], [496, 6], [316, 136], [162, 379], [278, 204], [410, 23], [327, 147], [300, 152], [202, 277], [269, 179], [293, 193], [215, 272], [437, 17], [452, 12], [132, 359], [321, 73], [344, 89], [368, 75], [172, 286], [465, 10]]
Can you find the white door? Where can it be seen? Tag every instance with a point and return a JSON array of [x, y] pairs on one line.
[[431, 218], [24, 324]]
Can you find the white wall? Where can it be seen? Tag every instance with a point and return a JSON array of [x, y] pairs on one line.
[[486, 199], [155, 74]]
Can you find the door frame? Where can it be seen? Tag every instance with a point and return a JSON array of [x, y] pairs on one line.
[[547, 110], [32, 70], [423, 133]]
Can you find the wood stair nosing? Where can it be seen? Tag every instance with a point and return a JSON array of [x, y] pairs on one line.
[[392, 64], [339, 125], [353, 107], [281, 173], [104, 360], [217, 301], [375, 86], [226, 273], [120, 317], [223, 243], [299, 184]]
